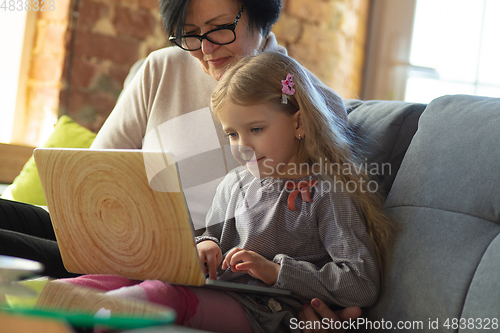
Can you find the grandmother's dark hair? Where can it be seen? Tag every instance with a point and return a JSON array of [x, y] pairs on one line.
[[262, 14]]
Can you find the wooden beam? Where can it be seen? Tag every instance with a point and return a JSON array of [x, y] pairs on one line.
[[12, 160]]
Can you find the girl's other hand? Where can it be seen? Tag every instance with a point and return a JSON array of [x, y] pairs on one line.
[[318, 310], [252, 263], [211, 257]]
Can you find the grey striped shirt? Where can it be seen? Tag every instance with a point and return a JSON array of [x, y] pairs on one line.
[[322, 246]]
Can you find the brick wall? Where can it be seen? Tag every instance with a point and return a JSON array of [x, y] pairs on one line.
[[328, 37], [44, 78], [109, 36], [84, 49]]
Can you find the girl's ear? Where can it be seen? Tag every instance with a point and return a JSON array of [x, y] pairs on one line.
[[299, 128]]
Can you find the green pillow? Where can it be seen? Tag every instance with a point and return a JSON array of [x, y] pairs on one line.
[[67, 134]]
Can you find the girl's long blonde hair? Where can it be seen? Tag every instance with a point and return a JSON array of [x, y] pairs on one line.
[[257, 80]]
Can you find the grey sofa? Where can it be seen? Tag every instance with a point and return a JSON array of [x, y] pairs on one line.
[[440, 170], [443, 194]]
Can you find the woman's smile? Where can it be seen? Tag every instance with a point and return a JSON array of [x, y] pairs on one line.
[[203, 16], [218, 61]]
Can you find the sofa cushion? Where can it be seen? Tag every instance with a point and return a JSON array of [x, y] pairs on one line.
[[446, 203], [382, 131]]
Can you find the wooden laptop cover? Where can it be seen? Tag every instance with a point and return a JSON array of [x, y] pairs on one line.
[[108, 220]]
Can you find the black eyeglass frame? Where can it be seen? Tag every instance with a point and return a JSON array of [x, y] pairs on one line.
[[231, 27]]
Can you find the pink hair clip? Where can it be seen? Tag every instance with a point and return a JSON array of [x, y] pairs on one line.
[[287, 89]]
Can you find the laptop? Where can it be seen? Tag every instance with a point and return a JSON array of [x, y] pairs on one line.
[[123, 212]]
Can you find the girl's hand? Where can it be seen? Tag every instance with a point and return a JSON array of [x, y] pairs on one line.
[[255, 265], [211, 257], [317, 311]]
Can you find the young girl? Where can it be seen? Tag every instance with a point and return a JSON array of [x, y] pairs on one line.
[[297, 215]]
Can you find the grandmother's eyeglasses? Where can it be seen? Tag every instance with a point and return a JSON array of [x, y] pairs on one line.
[[222, 35]]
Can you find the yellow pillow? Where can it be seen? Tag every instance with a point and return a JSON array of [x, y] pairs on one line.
[[67, 134]]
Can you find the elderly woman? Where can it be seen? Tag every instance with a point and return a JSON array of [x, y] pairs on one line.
[[165, 106]]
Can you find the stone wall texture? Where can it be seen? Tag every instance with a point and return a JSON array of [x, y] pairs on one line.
[[107, 38], [45, 75], [84, 49], [328, 37]]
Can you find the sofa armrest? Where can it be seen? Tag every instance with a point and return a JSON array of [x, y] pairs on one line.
[[446, 205]]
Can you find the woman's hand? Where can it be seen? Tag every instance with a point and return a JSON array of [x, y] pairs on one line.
[[211, 256], [318, 310], [255, 265]]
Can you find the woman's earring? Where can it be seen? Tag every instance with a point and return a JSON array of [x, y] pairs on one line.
[[300, 138]]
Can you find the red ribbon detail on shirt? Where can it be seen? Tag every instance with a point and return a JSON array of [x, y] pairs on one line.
[[304, 187]]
